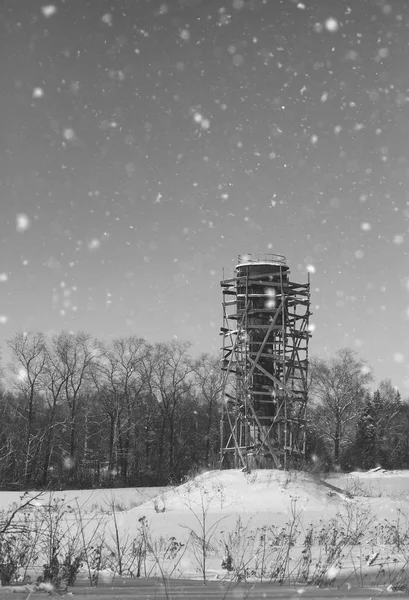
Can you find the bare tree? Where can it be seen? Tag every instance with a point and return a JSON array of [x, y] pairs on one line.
[[53, 381], [28, 352], [118, 378], [337, 391], [208, 381], [10, 442], [109, 402], [167, 371], [74, 355]]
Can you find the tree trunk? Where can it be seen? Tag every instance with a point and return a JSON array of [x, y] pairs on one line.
[[120, 448], [84, 460], [27, 461], [171, 444], [48, 445], [161, 443], [72, 441], [72, 437], [209, 428], [47, 458], [28, 438], [127, 441], [111, 442], [337, 441]]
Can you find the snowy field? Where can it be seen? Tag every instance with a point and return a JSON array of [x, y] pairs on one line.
[[375, 484], [99, 500], [233, 526]]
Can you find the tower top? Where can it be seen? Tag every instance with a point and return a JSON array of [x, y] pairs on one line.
[[261, 259]]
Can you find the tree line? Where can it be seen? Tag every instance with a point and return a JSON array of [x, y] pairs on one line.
[[79, 412], [350, 427]]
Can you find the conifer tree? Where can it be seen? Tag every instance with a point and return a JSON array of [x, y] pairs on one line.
[[366, 435]]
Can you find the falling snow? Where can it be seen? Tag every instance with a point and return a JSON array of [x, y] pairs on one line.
[[144, 141], [22, 223], [68, 134], [38, 92], [94, 244], [331, 24], [49, 10], [185, 34], [107, 19], [204, 123]]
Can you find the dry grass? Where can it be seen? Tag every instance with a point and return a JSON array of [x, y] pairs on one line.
[[62, 542]]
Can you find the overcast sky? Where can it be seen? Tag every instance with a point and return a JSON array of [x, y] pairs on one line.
[[145, 144]]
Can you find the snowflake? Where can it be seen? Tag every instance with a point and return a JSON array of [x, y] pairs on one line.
[[69, 134], [398, 239], [49, 11], [107, 19], [383, 52], [22, 222], [94, 244], [204, 123], [331, 24], [398, 357]]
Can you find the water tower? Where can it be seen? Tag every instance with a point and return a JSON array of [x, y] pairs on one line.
[[265, 363]]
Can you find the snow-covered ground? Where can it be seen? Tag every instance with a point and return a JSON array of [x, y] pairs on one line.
[[375, 483], [232, 503], [263, 497], [98, 500], [268, 497]]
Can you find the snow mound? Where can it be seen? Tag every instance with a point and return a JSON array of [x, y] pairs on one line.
[[259, 491]]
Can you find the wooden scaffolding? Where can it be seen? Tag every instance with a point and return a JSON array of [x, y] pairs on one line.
[[265, 365]]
